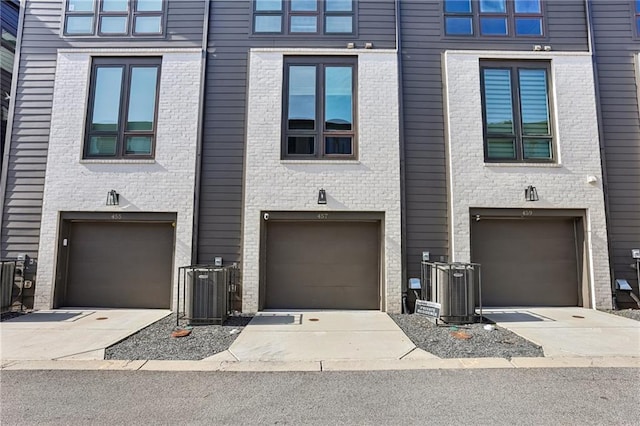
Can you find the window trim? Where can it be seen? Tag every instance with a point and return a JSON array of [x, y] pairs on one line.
[[516, 109], [127, 63], [319, 133], [635, 17], [131, 14], [320, 13], [510, 15]]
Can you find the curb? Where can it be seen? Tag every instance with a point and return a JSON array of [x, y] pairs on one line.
[[323, 366]]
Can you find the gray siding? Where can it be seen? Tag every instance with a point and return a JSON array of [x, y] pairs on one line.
[[615, 46], [422, 45], [30, 133], [224, 124]]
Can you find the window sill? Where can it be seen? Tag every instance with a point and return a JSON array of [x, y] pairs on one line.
[[317, 161], [538, 165], [117, 161]]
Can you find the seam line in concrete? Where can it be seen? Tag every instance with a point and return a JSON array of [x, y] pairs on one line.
[[411, 350]]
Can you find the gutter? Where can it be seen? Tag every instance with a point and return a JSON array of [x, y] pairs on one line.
[[601, 138], [403, 197], [11, 115], [201, 117]]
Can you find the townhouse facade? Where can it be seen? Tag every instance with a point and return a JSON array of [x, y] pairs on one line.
[[325, 146]]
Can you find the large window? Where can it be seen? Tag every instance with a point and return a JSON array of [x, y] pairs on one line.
[[303, 17], [114, 17], [493, 18], [319, 108], [517, 118], [122, 108], [637, 16]]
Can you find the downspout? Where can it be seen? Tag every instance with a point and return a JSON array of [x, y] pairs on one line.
[[11, 113], [201, 116], [605, 186], [403, 198]]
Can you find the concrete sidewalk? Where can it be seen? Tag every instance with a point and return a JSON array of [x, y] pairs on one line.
[[571, 331], [312, 335], [81, 334]]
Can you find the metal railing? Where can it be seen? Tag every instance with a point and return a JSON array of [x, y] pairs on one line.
[[457, 287], [207, 294], [7, 278]]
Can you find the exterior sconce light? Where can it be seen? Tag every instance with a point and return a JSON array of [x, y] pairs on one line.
[[537, 48], [322, 197], [531, 193], [113, 198], [351, 45], [368, 45]]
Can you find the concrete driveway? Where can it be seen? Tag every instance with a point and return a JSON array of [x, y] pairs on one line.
[[570, 332], [80, 334], [322, 335]]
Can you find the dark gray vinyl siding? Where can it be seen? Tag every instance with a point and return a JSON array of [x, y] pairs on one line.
[[615, 47], [422, 45], [220, 212], [30, 134]]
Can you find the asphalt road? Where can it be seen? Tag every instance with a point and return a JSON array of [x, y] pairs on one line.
[[478, 397]]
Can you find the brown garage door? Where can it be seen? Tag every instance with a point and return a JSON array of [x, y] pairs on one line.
[[120, 265], [322, 265], [526, 262]]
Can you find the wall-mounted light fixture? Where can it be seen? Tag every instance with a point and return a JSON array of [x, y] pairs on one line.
[[351, 45], [531, 193], [547, 48], [368, 45], [113, 198], [537, 48], [322, 197]]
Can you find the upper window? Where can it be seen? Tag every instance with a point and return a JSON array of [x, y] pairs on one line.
[[303, 17], [319, 108], [637, 17], [122, 108], [493, 18], [517, 118], [114, 17]]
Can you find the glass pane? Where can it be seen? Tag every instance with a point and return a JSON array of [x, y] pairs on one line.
[[339, 24], [638, 24], [493, 6], [106, 102], [457, 6], [302, 97], [458, 26], [115, 5], [338, 103], [304, 24], [497, 100], [537, 148], [79, 25], [493, 26], [637, 6], [338, 5], [501, 148], [268, 5], [528, 26], [148, 24], [80, 5], [534, 102], [113, 24], [338, 145], [139, 145], [268, 24], [102, 145], [304, 5], [527, 6], [142, 98], [149, 5], [301, 145]]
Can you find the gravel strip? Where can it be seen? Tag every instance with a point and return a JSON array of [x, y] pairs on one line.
[[633, 314], [438, 340], [155, 341]]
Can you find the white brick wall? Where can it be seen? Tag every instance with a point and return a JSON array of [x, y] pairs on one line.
[[165, 184], [370, 184], [474, 184]]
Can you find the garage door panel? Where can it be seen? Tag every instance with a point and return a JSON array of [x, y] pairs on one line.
[[527, 262], [327, 265], [123, 265]]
